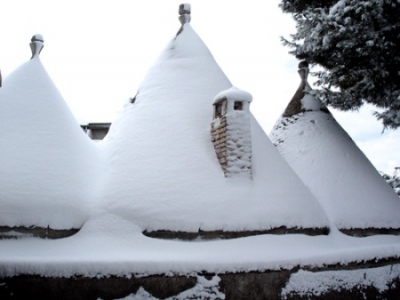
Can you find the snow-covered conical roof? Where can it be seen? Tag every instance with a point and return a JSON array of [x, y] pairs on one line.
[[351, 191], [164, 172], [47, 164]]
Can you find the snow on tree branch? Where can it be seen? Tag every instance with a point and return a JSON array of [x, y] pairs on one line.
[[357, 44]]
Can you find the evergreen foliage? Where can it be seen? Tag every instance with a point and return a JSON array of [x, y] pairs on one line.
[[393, 180], [357, 44]]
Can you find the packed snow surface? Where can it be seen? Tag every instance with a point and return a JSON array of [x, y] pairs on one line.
[[111, 245], [349, 188]]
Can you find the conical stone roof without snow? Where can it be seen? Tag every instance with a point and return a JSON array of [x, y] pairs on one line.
[[354, 196], [164, 172]]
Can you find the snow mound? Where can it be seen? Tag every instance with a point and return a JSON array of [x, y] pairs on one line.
[[310, 103]]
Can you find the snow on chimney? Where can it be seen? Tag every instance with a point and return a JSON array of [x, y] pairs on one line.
[[231, 132], [36, 45]]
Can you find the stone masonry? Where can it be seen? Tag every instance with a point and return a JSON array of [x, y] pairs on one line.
[[218, 133]]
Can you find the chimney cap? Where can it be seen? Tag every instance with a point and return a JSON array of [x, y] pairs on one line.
[[233, 94]]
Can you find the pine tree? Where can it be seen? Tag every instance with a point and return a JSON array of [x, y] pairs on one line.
[[357, 44], [393, 180]]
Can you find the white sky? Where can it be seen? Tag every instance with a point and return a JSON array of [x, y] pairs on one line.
[[97, 53]]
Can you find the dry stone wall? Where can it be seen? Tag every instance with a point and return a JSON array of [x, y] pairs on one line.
[[218, 133], [268, 284]]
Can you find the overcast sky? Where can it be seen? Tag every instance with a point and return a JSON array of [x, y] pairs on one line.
[[97, 53]]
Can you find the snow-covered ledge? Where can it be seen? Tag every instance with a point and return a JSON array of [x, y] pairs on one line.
[[231, 132]]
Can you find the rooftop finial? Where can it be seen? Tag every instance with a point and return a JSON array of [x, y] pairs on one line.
[[295, 105], [36, 45], [303, 70], [184, 12]]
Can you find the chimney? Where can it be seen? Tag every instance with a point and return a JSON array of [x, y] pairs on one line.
[[231, 132]]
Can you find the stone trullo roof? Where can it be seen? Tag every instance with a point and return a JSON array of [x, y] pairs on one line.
[[351, 191], [164, 172], [47, 164]]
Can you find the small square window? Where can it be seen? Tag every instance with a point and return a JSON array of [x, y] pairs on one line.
[[218, 110], [238, 105]]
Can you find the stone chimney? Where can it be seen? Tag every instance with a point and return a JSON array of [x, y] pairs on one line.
[[36, 45], [231, 132]]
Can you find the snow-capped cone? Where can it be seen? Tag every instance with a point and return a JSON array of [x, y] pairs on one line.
[[164, 172], [353, 194], [47, 164]]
